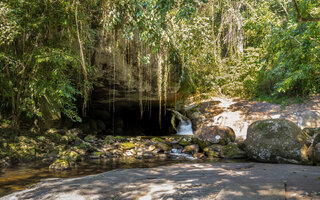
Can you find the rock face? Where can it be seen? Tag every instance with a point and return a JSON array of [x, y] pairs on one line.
[[316, 153], [276, 140], [314, 147], [216, 134]]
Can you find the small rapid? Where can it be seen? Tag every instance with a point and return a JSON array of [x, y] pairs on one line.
[[185, 124], [185, 127]]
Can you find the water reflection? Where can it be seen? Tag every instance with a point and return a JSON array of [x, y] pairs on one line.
[[22, 176]]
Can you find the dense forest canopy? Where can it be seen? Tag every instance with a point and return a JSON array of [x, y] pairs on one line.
[[249, 48]]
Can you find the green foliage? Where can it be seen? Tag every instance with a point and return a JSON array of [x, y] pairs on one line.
[[244, 48], [40, 67], [292, 65]]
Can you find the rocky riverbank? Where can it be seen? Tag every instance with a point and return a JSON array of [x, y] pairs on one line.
[[64, 148], [269, 140]]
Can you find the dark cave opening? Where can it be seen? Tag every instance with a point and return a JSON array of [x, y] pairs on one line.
[[128, 121]]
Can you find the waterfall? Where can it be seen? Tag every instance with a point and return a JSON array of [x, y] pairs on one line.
[[185, 125]]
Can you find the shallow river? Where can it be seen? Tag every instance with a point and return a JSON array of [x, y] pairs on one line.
[[22, 176]]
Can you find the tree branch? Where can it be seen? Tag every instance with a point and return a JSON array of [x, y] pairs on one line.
[[303, 19]]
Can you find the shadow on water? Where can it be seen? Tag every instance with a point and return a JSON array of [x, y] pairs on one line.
[[22, 176]]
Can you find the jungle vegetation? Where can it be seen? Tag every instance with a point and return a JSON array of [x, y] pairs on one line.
[[248, 48]]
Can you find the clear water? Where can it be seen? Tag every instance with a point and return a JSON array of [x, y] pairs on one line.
[[185, 127], [178, 153], [22, 176]]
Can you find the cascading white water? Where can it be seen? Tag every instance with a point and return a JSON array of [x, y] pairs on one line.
[[178, 153], [185, 127], [185, 124]]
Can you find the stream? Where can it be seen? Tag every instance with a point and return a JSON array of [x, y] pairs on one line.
[[22, 176]]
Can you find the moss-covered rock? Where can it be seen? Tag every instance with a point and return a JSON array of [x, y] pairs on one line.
[[242, 145], [60, 164], [109, 139], [127, 145], [213, 150], [232, 151], [185, 142], [157, 139], [66, 160], [89, 138], [86, 146], [54, 135], [202, 143], [121, 138], [272, 140]]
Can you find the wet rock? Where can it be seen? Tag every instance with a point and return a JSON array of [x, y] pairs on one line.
[[177, 146], [202, 143], [109, 139], [116, 152], [231, 151], [191, 149], [147, 155], [163, 146], [66, 159], [60, 164], [162, 155], [86, 146], [184, 143], [157, 139], [172, 140], [127, 145], [198, 155], [216, 134], [213, 150], [151, 148], [269, 140]]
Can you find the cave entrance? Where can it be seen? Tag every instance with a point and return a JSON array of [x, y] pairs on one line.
[[127, 119]]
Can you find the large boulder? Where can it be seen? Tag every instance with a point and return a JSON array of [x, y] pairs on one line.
[[216, 134], [316, 153], [276, 140], [314, 148]]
